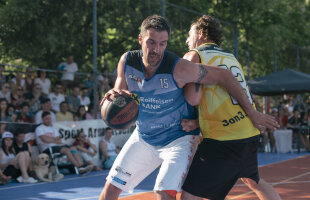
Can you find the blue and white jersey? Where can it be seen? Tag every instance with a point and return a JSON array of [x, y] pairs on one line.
[[162, 104]]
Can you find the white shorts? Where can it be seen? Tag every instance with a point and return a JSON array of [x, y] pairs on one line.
[[138, 159]]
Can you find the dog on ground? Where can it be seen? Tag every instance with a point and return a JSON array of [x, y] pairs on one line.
[[41, 168]]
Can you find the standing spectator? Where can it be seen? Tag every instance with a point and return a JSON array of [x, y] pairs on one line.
[[46, 106], [84, 99], [108, 149], [282, 118], [69, 69], [87, 149], [56, 97], [47, 137], [29, 80], [4, 112], [24, 116], [5, 92], [3, 78], [74, 100], [64, 114], [18, 80], [17, 97], [44, 82], [80, 114], [12, 164], [294, 123], [34, 98]]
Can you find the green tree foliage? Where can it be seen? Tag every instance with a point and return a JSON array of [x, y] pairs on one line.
[[43, 32]]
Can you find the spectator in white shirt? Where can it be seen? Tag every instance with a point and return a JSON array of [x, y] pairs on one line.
[[47, 136], [5, 92], [44, 82], [46, 106], [56, 97], [68, 68], [84, 99]]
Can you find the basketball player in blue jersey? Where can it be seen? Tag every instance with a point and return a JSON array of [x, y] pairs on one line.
[[228, 150], [156, 78]]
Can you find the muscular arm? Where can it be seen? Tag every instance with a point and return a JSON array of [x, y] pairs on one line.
[[192, 91], [189, 72]]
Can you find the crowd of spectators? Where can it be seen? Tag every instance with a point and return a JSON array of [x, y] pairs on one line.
[[30, 96], [294, 114]]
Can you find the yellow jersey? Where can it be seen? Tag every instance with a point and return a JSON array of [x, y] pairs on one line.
[[220, 115]]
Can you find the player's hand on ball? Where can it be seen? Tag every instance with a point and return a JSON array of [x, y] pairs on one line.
[[113, 93], [262, 121]]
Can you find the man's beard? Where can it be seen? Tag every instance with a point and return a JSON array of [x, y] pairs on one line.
[[154, 64]]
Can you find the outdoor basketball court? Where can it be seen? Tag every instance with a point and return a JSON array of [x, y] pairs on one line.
[[289, 174]]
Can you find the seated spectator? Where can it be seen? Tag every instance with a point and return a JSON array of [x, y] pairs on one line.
[[108, 149], [44, 82], [24, 116], [12, 164], [47, 136], [20, 145], [4, 112], [84, 99], [34, 98], [17, 80], [104, 82], [29, 80], [74, 100], [295, 123], [64, 114], [46, 106], [17, 97], [91, 113], [68, 68], [56, 97], [87, 149], [80, 114], [6, 92]]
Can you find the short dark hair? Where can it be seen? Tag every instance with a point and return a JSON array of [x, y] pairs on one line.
[[108, 128], [210, 27], [156, 22], [45, 113], [45, 100], [63, 102], [24, 104]]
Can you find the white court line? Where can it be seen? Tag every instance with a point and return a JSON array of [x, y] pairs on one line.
[[277, 183], [63, 180]]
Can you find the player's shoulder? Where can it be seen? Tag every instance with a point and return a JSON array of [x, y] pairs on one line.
[[132, 57], [193, 56]]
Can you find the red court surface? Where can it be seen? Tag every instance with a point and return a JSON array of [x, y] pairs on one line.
[[290, 178]]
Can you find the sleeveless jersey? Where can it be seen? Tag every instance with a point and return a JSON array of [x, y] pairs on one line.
[[162, 105], [110, 147], [220, 115]]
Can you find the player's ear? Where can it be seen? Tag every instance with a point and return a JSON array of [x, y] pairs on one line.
[[140, 39]]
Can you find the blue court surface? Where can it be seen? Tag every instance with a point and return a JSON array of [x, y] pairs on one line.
[[88, 187]]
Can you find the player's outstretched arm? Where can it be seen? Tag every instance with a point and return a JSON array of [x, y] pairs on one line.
[[189, 72], [120, 85]]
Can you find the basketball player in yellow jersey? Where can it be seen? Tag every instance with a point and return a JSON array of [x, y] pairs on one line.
[[228, 150]]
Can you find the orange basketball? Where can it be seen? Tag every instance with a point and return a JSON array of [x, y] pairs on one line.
[[120, 112]]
